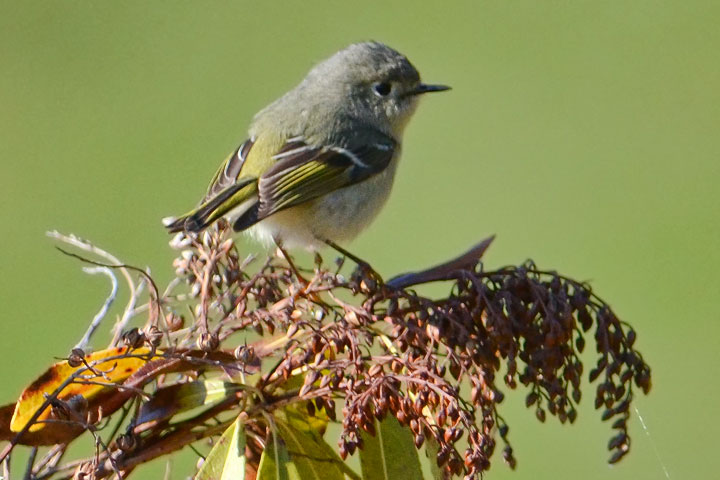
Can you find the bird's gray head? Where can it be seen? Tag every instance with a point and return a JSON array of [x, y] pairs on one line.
[[366, 80]]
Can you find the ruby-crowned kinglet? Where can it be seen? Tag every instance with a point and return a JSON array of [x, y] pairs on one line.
[[321, 159]]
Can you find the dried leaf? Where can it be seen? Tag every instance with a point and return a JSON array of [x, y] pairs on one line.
[[116, 369]]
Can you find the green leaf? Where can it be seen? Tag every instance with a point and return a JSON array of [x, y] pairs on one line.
[[226, 460], [431, 452], [174, 399], [311, 457], [390, 454], [298, 415], [274, 460], [299, 452]]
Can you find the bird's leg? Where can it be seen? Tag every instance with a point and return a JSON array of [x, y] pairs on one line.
[[318, 261], [293, 268], [364, 266], [314, 297]]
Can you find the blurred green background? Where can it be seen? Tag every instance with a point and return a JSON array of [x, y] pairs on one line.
[[584, 134]]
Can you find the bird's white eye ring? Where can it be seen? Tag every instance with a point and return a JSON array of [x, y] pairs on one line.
[[382, 89]]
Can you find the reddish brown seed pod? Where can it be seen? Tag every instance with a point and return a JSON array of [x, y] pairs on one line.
[[476, 396], [375, 370], [401, 417], [631, 338], [469, 458], [619, 392], [393, 403], [153, 335], [208, 342], [342, 450], [607, 414], [133, 338], [76, 357], [369, 427], [127, 442], [396, 366], [330, 409], [620, 453], [442, 457], [453, 413], [84, 471], [562, 416], [455, 465], [572, 415], [623, 406], [292, 330], [174, 322], [442, 417], [617, 440], [415, 426], [620, 423], [311, 377]]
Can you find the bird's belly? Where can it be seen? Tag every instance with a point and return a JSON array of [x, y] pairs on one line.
[[338, 216]]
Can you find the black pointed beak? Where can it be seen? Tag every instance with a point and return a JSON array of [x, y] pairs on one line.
[[424, 88]]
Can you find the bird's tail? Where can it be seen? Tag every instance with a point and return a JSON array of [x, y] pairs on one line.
[[214, 208]]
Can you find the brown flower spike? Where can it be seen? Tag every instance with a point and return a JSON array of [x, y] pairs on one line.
[[360, 350]]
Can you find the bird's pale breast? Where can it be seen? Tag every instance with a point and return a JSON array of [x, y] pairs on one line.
[[338, 216]]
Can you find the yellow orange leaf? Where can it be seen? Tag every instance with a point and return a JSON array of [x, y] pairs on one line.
[[52, 434], [113, 364]]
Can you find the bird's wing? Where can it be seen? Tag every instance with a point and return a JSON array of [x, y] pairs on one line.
[[300, 172], [227, 191], [229, 171], [303, 172]]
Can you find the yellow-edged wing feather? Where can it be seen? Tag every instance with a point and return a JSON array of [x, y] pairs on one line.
[[294, 174]]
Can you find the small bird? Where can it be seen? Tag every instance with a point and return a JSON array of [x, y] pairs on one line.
[[320, 160]]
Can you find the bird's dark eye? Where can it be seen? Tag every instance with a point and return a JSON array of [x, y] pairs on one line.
[[382, 88]]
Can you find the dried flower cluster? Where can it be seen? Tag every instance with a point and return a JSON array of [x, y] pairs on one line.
[[407, 356], [363, 350]]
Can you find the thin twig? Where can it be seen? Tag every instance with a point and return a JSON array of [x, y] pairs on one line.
[[30, 462], [129, 312], [89, 247], [6, 467], [85, 340], [115, 263]]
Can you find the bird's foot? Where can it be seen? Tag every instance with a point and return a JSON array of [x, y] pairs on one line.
[[365, 275], [283, 253]]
